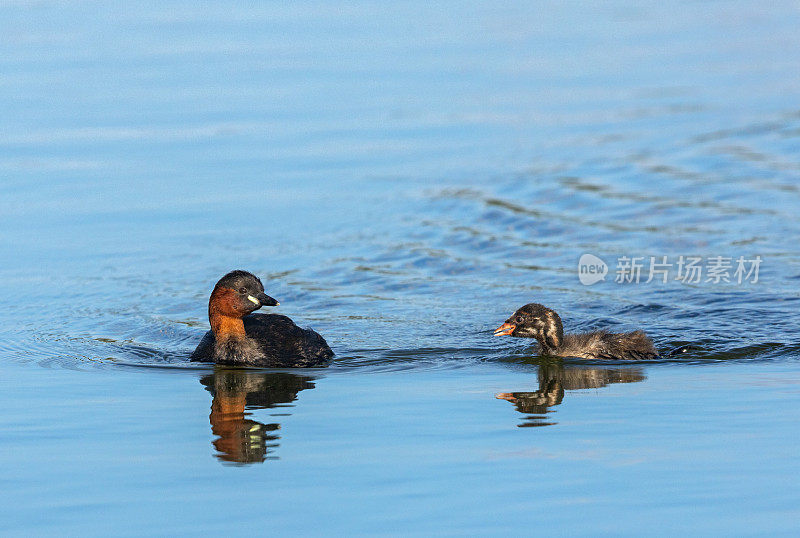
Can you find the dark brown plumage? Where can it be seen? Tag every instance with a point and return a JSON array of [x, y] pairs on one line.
[[537, 321], [239, 337]]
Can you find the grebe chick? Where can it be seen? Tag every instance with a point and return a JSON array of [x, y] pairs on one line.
[[239, 337], [537, 321]]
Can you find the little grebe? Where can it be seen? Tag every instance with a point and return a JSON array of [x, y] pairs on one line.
[[539, 322], [239, 337]]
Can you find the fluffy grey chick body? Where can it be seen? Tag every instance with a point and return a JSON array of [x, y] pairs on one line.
[[537, 321]]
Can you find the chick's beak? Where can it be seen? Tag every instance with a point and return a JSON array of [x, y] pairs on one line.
[[266, 300], [505, 329]]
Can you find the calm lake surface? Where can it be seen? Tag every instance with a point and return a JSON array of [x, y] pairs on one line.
[[402, 177]]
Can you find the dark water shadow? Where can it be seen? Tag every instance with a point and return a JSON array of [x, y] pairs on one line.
[[555, 379], [236, 392]]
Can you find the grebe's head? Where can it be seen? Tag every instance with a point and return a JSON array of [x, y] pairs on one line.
[[534, 321], [239, 293]]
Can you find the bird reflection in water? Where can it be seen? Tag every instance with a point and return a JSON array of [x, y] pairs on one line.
[[554, 379], [235, 392]]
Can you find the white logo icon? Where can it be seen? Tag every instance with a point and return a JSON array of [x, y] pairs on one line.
[[591, 269]]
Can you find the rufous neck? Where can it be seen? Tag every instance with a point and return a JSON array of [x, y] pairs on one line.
[[226, 326], [226, 322]]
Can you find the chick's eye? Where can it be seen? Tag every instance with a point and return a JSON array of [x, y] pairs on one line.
[[519, 319], [242, 290]]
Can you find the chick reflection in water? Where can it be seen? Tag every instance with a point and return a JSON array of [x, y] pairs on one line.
[[554, 379], [241, 439]]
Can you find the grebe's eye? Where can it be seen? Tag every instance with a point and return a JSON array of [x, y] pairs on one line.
[[242, 290], [519, 319]]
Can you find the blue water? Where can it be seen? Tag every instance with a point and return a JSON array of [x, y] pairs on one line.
[[401, 177]]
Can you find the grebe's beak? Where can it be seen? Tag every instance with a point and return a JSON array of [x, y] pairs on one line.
[[505, 329], [265, 300]]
